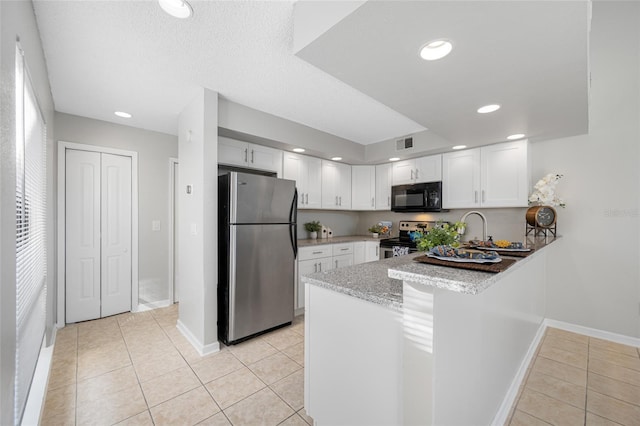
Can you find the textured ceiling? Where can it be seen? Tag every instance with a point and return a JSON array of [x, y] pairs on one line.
[[105, 56]]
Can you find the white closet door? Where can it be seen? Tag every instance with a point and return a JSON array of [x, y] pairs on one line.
[[116, 234], [82, 235]]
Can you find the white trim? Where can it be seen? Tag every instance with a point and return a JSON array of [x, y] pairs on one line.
[[39, 384], [593, 332], [202, 349], [510, 398], [61, 284], [172, 181], [142, 307]]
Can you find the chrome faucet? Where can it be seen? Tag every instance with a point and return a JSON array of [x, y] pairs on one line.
[[484, 222]]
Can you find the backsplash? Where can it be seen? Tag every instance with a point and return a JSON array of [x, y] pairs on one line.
[[505, 223]]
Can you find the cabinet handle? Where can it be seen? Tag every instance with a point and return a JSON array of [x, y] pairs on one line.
[[411, 174], [344, 249], [417, 170], [302, 198], [388, 201], [377, 251], [340, 200], [307, 199], [245, 154], [336, 264], [317, 252], [320, 264], [251, 156], [315, 267], [373, 202], [483, 197], [475, 196]]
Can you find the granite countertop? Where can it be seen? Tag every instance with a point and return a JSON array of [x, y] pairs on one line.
[[337, 240], [381, 281]]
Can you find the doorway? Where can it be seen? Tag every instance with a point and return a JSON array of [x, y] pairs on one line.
[[98, 228]]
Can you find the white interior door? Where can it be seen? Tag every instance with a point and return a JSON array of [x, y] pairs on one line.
[[98, 234], [176, 271], [116, 234], [82, 188]]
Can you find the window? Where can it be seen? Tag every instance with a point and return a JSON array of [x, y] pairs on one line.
[[31, 255]]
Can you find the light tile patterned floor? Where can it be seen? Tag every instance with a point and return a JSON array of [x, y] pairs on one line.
[[137, 369], [580, 380]]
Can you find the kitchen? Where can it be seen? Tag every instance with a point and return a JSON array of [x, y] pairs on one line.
[[599, 166]]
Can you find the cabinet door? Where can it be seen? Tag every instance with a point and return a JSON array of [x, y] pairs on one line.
[[359, 252], [404, 172], [313, 183], [305, 267], [326, 263], [343, 186], [363, 187], [265, 158], [384, 181], [461, 179], [232, 152], [293, 168], [330, 175], [342, 261], [505, 175], [429, 169], [372, 251]]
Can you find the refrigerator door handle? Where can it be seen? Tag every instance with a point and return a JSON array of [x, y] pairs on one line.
[[293, 227]]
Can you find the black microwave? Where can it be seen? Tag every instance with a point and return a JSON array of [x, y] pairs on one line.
[[417, 197]]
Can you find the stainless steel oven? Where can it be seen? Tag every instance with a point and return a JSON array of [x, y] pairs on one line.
[[404, 244]]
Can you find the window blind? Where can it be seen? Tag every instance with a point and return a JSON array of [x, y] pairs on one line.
[[31, 255]]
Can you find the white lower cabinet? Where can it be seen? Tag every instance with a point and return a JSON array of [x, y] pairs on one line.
[[365, 251], [318, 259]]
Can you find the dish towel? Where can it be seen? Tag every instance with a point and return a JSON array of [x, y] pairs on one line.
[[400, 251]]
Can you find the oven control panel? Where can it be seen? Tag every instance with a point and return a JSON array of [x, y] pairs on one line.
[[410, 225]]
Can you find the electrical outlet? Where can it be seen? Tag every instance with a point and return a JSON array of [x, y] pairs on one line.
[[155, 225]]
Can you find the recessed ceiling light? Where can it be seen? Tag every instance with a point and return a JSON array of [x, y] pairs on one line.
[[123, 114], [394, 158], [436, 49], [336, 158], [298, 149], [176, 8], [488, 108], [459, 147], [516, 136]]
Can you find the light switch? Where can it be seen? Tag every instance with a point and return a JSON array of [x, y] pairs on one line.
[[194, 229], [155, 225]]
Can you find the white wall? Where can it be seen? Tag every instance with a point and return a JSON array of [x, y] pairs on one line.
[[596, 281], [198, 221], [17, 20], [154, 150]]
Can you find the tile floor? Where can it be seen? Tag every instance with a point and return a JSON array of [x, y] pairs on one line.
[[137, 369], [580, 380]]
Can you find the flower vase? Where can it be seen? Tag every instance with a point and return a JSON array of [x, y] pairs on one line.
[[313, 235], [374, 235]]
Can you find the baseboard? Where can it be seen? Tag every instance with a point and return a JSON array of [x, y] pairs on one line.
[[202, 349], [153, 305], [593, 332], [298, 312], [39, 384], [510, 398]]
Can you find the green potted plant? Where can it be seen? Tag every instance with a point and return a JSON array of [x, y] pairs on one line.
[[443, 234], [312, 228]]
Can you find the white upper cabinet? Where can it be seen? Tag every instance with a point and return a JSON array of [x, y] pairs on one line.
[[423, 169], [244, 154], [363, 187], [336, 185], [307, 172], [384, 181], [491, 176], [505, 175]]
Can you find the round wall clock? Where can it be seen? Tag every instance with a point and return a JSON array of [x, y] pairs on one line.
[[541, 216]]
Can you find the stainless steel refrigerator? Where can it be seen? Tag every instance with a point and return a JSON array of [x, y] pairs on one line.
[[257, 247]]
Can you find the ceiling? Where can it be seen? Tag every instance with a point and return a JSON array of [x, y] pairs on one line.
[[361, 80]]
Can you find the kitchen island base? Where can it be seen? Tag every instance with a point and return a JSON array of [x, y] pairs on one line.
[[444, 357]]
